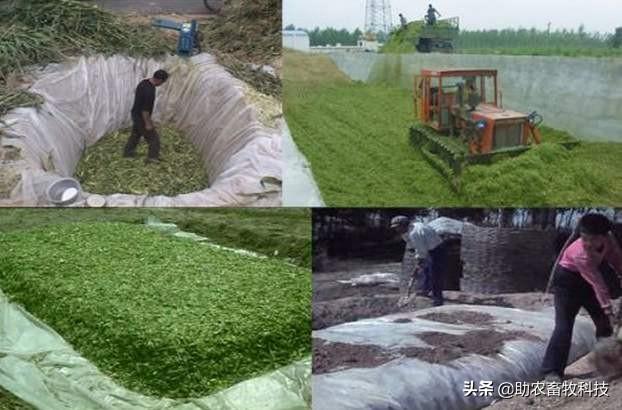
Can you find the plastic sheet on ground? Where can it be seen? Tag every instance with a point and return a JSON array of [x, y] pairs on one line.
[[89, 97], [41, 368], [299, 187], [412, 384], [372, 279]]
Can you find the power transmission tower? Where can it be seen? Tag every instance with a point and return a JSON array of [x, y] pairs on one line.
[[378, 16]]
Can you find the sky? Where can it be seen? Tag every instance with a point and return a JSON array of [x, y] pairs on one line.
[[597, 15]]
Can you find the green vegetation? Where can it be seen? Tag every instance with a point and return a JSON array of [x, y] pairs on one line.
[[356, 139], [103, 169], [10, 402], [163, 316], [513, 42], [537, 42], [39, 32], [404, 39], [243, 32], [285, 232]]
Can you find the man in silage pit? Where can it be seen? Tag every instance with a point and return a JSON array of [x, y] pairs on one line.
[[142, 124], [425, 255]]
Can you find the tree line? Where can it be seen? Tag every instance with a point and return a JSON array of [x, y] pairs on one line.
[[489, 39]]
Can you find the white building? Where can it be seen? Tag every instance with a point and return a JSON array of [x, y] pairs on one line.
[[296, 39], [369, 45]]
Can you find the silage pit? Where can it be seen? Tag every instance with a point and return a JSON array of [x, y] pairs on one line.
[[165, 316], [91, 97]]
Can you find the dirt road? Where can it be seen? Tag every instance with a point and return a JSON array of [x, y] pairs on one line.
[[155, 6]]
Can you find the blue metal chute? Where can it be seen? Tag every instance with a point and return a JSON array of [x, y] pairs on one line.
[[188, 42]]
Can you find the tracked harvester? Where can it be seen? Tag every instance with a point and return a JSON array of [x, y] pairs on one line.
[[461, 120]]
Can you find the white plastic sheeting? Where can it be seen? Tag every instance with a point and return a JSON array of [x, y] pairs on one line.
[[444, 225], [299, 187], [88, 98], [372, 279], [412, 384], [41, 368]]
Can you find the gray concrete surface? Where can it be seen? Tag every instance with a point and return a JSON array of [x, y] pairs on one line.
[[155, 6], [580, 95]]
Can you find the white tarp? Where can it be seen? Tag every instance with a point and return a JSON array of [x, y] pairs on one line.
[[89, 97], [299, 187], [412, 384], [444, 225]]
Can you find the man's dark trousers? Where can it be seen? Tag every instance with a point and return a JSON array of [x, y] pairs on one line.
[[152, 137], [571, 293], [438, 259]]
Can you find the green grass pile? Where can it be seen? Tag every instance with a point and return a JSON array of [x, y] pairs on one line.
[[356, 139], [404, 39], [247, 32], [39, 32], [284, 231], [10, 402], [103, 169], [161, 315]]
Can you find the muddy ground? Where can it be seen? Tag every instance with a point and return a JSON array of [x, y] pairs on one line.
[[335, 303]]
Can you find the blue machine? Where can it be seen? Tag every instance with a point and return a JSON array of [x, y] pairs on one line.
[[188, 43]]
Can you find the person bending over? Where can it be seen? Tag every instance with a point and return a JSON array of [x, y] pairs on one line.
[[578, 282]]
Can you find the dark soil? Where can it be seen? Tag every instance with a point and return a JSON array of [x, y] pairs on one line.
[[350, 309], [458, 318], [448, 347], [329, 357], [402, 320]]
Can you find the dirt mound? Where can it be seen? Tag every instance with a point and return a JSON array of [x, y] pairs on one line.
[[329, 357]]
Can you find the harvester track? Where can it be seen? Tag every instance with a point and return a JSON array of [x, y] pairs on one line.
[[440, 154]]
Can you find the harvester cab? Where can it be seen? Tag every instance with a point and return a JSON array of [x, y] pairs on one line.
[[460, 119]]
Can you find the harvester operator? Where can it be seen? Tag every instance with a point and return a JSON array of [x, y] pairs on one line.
[[431, 15], [426, 249], [473, 97], [142, 124]]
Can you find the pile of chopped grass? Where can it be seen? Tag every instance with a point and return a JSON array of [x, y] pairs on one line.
[[403, 39], [247, 32], [39, 32], [9, 402], [284, 231], [11, 98], [104, 170], [161, 315]]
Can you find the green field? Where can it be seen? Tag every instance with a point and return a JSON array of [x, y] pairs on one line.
[[164, 316], [356, 139]]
